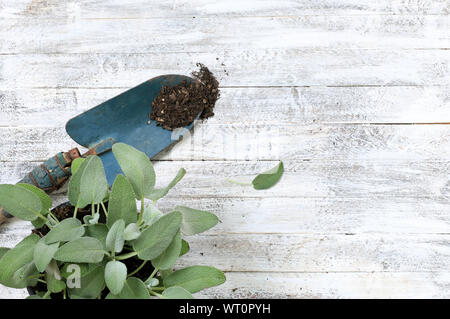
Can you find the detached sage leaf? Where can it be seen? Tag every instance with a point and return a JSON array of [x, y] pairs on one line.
[[137, 167], [156, 238], [81, 250], [20, 202], [177, 292], [195, 278], [67, 230], [122, 202], [17, 257], [168, 258], [270, 178], [196, 221], [161, 192], [114, 239], [131, 232], [91, 284], [115, 276], [134, 288], [43, 254]]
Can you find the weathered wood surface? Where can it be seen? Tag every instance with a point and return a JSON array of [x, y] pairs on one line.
[[351, 95]]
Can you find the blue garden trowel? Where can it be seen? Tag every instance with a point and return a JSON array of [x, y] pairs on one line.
[[124, 118]]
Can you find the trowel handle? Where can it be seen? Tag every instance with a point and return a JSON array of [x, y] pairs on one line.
[[49, 176]]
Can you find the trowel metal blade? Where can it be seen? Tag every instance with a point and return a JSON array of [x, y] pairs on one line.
[[125, 118]]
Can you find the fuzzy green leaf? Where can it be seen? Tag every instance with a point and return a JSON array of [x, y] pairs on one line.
[[156, 238], [99, 231], [76, 163], [177, 292], [115, 276], [195, 278], [184, 247], [151, 214], [20, 202], [89, 184], [131, 232], [91, 284], [54, 285], [137, 167], [21, 277], [269, 178], [45, 199], [17, 257], [67, 230], [81, 250], [134, 288], [196, 221], [161, 192], [114, 239], [43, 254], [168, 258], [122, 202], [3, 250]]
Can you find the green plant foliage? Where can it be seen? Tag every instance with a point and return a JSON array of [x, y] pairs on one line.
[[177, 292], [43, 254], [115, 276], [169, 256], [67, 230], [134, 288], [114, 239], [86, 257], [161, 192], [20, 202], [195, 278], [81, 250], [137, 167], [196, 221], [122, 203], [155, 239], [17, 257], [269, 178]]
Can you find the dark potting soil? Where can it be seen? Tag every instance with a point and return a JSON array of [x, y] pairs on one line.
[[179, 105], [66, 210]]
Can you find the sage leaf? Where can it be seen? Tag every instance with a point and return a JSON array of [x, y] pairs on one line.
[[84, 269], [53, 284], [184, 247], [114, 239], [45, 199], [168, 258], [195, 278], [91, 220], [269, 178], [196, 221], [67, 230], [137, 167], [3, 250], [115, 276], [91, 284], [89, 184], [81, 250], [152, 282], [21, 277], [177, 292], [122, 202], [131, 232], [99, 231], [161, 192], [151, 214], [17, 257], [20, 202], [134, 288], [43, 254], [158, 236], [76, 164]]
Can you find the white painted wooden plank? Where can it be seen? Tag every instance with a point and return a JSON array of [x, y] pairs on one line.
[[216, 34], [292, 67], [303, 105], [354, 143], [225, 8]]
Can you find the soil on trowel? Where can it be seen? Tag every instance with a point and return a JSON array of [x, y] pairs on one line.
[[179, 105]]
